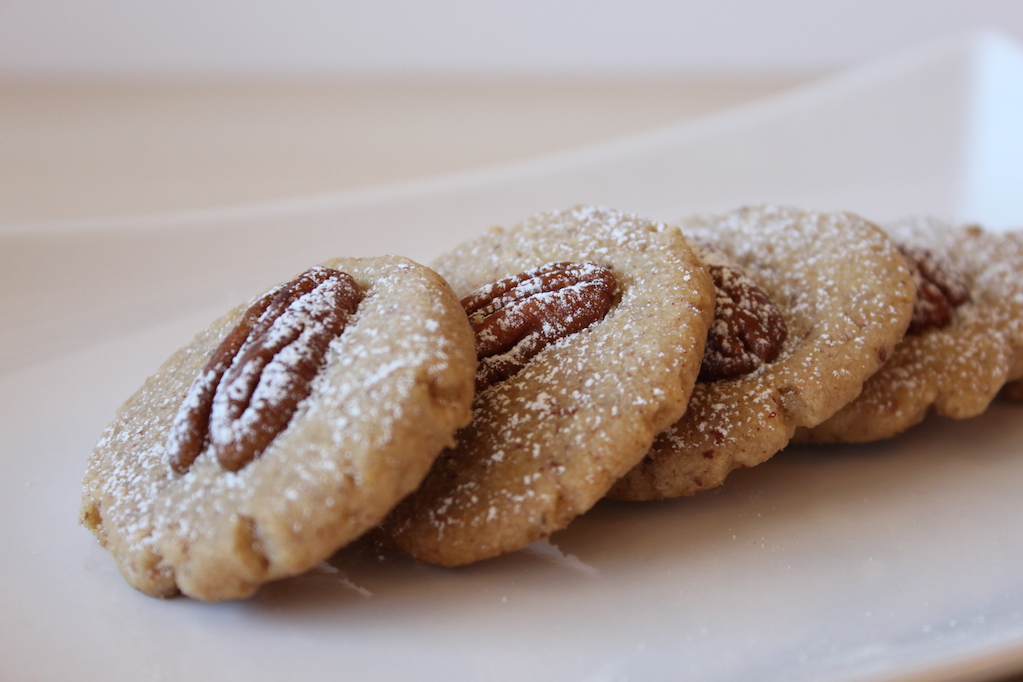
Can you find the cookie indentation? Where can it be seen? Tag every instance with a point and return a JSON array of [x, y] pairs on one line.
[[252, 384], [748, 328], [940, 288], [517, 317]]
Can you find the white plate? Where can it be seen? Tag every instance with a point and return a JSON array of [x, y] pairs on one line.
[[897, 561]]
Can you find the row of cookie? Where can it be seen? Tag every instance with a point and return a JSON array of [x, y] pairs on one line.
[[825, 329], [294, 425], [806, 307], [963, 342]]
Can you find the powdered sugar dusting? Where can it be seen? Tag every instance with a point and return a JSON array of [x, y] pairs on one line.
[[390, 388], [516, 317], [273, 367], [955, 370], [846, 297], [748, 328], [546, 443]]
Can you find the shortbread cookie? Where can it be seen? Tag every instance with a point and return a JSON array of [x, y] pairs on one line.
[[286, 429], [845, 296], [973, 344], [557, 422]]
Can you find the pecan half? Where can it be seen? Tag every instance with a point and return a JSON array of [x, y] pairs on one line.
[[517, 317], [940, 289], [249, 389], [748, 329]]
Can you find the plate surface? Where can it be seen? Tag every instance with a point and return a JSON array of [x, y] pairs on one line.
[[895, 561]]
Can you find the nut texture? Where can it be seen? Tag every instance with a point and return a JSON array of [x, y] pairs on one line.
[[249, 389], [517, 317], [748, 328], [940, 288]]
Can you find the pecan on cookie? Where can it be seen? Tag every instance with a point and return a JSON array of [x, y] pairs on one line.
[[517, 317], [620, 352], [967, 344], [286, 429], [837, 296]]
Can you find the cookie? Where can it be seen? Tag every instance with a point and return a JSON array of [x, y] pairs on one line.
[[286, 429], [845, 296], [968, 344], [554, 427]]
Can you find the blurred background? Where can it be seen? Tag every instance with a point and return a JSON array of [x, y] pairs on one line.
[[113, 107]]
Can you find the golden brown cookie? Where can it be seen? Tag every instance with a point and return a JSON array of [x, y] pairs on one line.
[[956, 364], [284, 430], [550, 437], [845, 295]]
